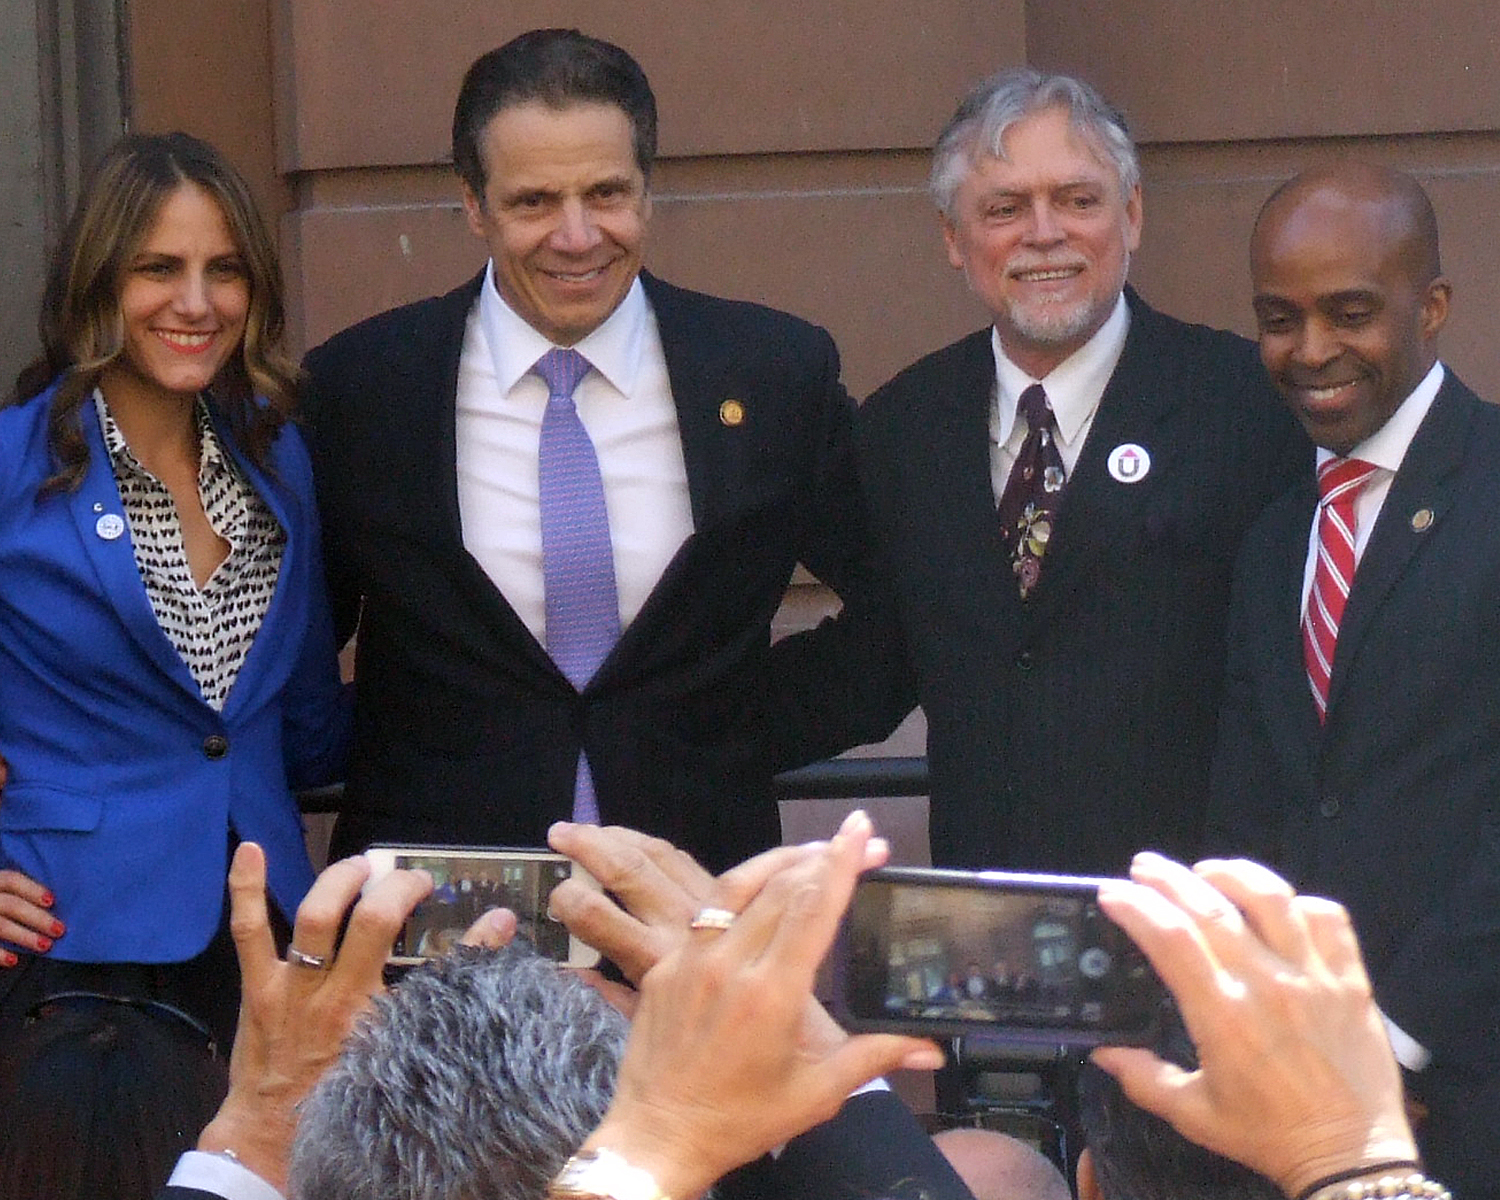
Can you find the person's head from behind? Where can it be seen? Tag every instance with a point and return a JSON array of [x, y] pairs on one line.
[[101, 1096], [995, 1166], [477, 1077], [165, 283], [1349, 296], [554, 136], [1131, 1155], [1037, 186]]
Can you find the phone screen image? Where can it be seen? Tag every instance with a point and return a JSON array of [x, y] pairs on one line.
[[941, 951], [464, 887]]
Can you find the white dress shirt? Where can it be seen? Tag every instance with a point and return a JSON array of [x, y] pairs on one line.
[[625, 403], [1074, 389]]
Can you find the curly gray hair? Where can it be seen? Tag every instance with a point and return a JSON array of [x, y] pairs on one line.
[[476, 1078], [997, 103]]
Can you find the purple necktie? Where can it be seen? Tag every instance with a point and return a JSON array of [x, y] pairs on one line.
[[578, 560]]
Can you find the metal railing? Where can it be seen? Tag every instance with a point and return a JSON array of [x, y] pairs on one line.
[[832, 779], [847, 778]]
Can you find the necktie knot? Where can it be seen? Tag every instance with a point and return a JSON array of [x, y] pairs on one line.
[[561, 369], [1034, 407], [1341, 478]]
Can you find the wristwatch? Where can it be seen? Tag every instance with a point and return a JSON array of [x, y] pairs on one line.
[[603, 1175]]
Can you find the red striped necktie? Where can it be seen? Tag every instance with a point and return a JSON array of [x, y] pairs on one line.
[[1339, 483]]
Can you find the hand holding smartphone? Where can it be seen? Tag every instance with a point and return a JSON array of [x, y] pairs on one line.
[[468, 881], [1028, 958]]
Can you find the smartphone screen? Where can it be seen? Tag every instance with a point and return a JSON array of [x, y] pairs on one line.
[[468, 881], [1028, 957]]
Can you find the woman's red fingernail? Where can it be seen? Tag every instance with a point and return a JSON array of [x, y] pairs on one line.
[[7, 959], [48, 899], [57, 928], [43, 944]]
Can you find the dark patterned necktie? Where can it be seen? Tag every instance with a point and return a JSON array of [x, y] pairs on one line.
[[1033, 493], [578, 560]]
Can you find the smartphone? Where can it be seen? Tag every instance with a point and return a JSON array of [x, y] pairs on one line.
[[469, 880], [1028, 959]]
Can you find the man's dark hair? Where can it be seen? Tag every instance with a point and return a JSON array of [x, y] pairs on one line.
[[1140, 1157], [558, 67]]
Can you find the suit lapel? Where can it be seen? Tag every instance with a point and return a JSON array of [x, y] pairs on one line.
[[428, 394], [98, 511], [1419, 498], [955, 475], [1138, 405], [253, 681], [1287, 700], [427, 391], [717, 455]]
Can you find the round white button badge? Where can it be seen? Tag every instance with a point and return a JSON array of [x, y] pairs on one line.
[[110, 526], [1129, 463]]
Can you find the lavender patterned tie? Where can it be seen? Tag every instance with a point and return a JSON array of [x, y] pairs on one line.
[[578, 561]]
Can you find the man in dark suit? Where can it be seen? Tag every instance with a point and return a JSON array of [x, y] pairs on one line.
[[1360, 741], [719, 436], [1067, 653]]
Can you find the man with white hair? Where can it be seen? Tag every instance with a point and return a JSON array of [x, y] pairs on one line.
[[1058, 499]]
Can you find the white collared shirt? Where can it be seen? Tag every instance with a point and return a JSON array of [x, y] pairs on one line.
[[626, 405], [221, 1176], [1386, 448], [1074, 389]]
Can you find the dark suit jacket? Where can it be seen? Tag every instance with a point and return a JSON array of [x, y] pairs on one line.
[[465, 729], [872, 1150], [1070, 730], [1391, 807]]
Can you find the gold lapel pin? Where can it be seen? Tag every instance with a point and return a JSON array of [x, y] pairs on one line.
[[1421, 519], [732, 413]]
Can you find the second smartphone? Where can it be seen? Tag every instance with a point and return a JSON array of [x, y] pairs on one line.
[[469, 880]]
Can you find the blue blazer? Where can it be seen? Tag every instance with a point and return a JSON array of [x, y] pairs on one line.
[[123, 782]]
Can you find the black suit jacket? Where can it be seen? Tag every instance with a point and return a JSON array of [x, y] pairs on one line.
[[1391, 806], [465, 729], [1067, 731]]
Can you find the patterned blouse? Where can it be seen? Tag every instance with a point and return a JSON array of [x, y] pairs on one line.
[[211, 628]]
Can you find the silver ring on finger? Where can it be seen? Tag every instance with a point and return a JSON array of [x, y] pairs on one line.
[[717, 919], [299, 958]]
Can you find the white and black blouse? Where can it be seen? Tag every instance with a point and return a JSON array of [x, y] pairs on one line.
[[211, 628]]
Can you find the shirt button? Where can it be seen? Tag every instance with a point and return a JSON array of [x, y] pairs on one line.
[[1023, 660], [1329, 807], [215, 746]]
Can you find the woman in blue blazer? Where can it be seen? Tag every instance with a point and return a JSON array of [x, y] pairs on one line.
[[167, 666]]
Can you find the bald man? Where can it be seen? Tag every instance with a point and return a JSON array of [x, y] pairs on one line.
[[995, 1166], [1359, 744]]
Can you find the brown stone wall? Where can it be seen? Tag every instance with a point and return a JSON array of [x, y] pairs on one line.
[[794, 138]]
